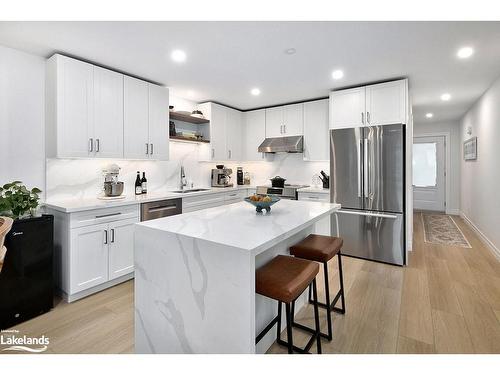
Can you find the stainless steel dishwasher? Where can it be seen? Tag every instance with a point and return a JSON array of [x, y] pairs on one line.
[[157, 209]]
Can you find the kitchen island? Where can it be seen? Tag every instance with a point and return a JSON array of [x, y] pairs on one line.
[[195, 275]]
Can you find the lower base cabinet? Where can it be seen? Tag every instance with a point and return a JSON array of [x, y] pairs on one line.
[[323, 226]]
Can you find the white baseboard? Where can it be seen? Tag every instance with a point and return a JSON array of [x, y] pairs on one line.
[[453, 211], [490, 245]]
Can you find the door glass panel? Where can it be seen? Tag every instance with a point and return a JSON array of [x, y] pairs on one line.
[[425, 164]]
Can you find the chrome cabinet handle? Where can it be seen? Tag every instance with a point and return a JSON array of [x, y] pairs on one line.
[[152, 151], [363, 118], [213, 153], [229, 154], [112, 235], [313, 197], [147, 148], [97, 145], [107, 215], [284, 129], [368, 117], [281, 129], [91, 145], [105, 237]]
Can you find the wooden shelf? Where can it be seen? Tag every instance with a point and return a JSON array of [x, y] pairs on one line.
[[187, 139], [188, 118]]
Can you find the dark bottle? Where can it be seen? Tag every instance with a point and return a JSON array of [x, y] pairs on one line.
[[144, 183], [239, 175], [138, 185]]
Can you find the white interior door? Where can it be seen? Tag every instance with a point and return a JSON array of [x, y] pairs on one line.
[[429, 182]]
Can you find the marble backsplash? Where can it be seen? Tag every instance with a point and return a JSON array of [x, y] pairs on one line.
[[82, 178]]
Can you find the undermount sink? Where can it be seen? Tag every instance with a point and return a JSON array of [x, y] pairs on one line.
[[188, 191]]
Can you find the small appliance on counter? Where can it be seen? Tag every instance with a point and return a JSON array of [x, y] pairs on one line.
[[279, 189], [239, 176], [246, 178], [26, 280], [221, 176], [112, 187]]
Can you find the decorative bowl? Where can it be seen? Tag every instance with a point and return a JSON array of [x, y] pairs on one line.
[[260, 205]]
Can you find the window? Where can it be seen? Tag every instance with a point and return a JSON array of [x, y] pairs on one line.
[[424, 164]]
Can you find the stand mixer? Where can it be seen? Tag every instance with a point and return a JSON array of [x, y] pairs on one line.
[[112, 187]]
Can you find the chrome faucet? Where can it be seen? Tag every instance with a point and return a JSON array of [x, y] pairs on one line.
[[183, 181]]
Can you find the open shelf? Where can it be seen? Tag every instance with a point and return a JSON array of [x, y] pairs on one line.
[[188, 118], [187, 139]]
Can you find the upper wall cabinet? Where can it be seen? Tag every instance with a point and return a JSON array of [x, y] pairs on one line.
[[87, 107], [316, 139], [226, 136], [380, 104], [254, 132], [284, 121], [146, 119]]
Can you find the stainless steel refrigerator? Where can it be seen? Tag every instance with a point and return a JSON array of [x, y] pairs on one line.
[[367, 169]]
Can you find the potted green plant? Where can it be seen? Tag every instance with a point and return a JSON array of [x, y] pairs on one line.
[[17, 201]]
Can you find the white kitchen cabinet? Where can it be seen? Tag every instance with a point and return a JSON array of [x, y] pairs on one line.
[[108, 113], [274, 122], [121, 248], [293, 120], [69, 108], [347, 108], [284, 121], [158, 123], [235, 196], [316, 138], [89, 259], [146, 118], [136, 118], [234, 135], [379, 104], [323, 226], [386, 103], [225, 133], [254, 133]]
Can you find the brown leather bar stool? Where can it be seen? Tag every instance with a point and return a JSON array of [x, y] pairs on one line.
[[284, 279], [321, 249]]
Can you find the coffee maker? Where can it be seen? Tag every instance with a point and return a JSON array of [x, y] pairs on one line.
[[221, 176]]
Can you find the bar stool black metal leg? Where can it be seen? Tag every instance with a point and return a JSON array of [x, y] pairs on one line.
[[289, 328], [278, 335], [342, 309], [328, 306], [316, 317]]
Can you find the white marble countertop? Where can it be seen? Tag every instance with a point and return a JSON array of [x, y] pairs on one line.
[[314, 189], [76, 205], [238, 225]]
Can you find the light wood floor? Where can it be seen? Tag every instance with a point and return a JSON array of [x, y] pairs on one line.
[[446, 301]]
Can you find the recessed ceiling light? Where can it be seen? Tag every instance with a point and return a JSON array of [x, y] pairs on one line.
[[255, 92], [337, 74], [290, 51], [445, 97], [178, 55], [429, 115], [465, 52]]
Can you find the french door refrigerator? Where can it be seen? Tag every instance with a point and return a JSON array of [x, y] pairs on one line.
[[367, 166]]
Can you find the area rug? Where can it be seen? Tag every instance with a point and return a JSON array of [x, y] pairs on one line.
[[442, 230]]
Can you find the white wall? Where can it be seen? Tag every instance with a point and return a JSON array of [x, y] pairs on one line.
[[480, 179], [22, 85], [455, 144]]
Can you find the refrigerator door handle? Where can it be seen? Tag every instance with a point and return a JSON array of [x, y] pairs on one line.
[[360, 153], [366, 177], [368, 213]]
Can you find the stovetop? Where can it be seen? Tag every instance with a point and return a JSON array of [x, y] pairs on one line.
[[291, 186], [288, 191]]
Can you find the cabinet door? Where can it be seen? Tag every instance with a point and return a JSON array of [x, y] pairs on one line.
[[233, 134], [254, 132], [158, 123], [89, 257], [136, 118], [386, 103], [108, 113], [274, 122], [218, 116], [75, 129], [316, 139], [347, 108], [121, 248], [293, 119]]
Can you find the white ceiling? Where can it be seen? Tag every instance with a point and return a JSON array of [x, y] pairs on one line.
[[225, 60]]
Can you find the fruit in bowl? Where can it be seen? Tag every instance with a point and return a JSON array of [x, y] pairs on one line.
[[262, 202]]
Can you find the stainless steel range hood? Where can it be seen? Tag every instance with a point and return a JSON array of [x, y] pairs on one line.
[[282, 144]]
